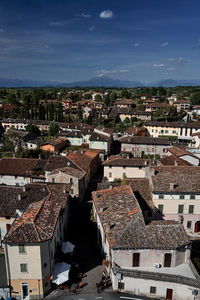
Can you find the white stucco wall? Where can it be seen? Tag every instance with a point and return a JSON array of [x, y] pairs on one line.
[[14, 180], [119, 172]]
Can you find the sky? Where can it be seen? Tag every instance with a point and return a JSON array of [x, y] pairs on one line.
[[75, 40]]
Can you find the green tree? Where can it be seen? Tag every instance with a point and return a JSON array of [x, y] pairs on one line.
[[87, 96], [124, 94], [53, 129], [98, 98], [113, 97], [33, 129], [195, 99], [12, 99]]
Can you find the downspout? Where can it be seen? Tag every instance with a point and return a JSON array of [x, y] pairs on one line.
[[8, 269]]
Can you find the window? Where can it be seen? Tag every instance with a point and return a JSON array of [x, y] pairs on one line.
[[124, 167], [189, 224], [152, 130], [124, 174], [71, 180], [136, 259], [160, 208], [110, 167], [16, 177], [53, 179], [152, 290], [120, 285], [180, 208], [22, 249], [192, 196], [191, 209], [166, 131], [182, 197], [161, 196], [174, 131], [110, 174], [23, 268], [72, 191]]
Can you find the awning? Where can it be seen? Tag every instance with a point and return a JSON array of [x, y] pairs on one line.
[[61, 273], [67, 247]]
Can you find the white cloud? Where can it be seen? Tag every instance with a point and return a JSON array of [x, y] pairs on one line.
[[105, 72], [91, 28], [84, 15], [178, 60], [1, 30], [136, 44], [170, 69], [158, 65], [106, 14], [164, 44], [54, 23]]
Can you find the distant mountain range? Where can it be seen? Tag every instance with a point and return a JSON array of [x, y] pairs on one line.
[[102, 81]]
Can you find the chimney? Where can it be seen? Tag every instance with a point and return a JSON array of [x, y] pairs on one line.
[[171, 186], [19, 197], [175, 163], [39, 156], [24, 188], [101, 209], [110, 187], [64, 190], [107, 226]]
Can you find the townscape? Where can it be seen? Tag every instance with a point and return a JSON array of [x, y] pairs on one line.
[[100, 181]]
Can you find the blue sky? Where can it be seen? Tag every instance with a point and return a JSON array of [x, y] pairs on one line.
[[72, 40]]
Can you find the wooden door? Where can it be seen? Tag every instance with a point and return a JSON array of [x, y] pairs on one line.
[[136, 259], [167, 260], [8, 227], [169, 294]]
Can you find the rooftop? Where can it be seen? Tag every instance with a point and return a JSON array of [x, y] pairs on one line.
[[123, 223], [38, 222], [184, 178], [144, 140], [19, 166], [117, 160]]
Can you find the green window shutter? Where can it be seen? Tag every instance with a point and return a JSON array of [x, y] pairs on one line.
[[191, 209], [160, 208], [180, 208]]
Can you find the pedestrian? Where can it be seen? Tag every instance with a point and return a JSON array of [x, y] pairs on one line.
[[74, 287]]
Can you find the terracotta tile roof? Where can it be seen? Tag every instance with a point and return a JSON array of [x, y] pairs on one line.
[[174, 161], [56, 162], [136, 131], [83, 159], [157, 105], [70, 171], [124, 101], [179, 151], [99, 137], [117, 160], [182, 101], [38, 222], [185, 179], [144, 140], [123, 223], [140, 188], [104, 129], [13, 197], [173, 124], [18, 166], [55, 142]]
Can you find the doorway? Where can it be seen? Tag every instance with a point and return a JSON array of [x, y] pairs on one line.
[[197, 227], [25, 291], [169, 294], [167, 260]]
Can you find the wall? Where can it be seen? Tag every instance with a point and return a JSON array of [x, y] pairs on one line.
[[14, 180], [170, 208], [136, 149], [142, 287], [148, 257], [117, 172], [100, 145], [3, 222]]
